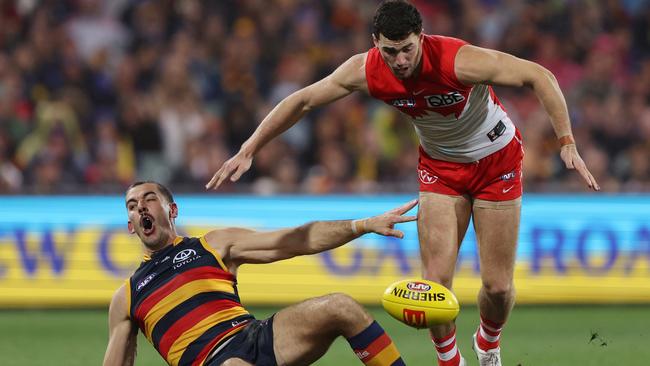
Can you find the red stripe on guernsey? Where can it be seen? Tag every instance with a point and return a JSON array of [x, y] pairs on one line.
[[204, 352], [495, 99], [375, 347], [189, 320], [199, 273]]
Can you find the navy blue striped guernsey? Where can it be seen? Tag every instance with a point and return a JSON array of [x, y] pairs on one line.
[[185, 301]]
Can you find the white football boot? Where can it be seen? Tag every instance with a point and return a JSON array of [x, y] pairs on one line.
[[462, 362], [486, 358]]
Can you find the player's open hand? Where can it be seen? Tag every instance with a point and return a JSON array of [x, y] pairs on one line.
[[572, 160], [233, 168], [384, 224]]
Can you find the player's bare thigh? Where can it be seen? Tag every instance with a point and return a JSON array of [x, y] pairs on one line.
[[303, 332], [497, 229], [236, 362], [442, 224]]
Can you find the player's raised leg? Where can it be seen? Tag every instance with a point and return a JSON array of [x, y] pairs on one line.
[[497, 229], [302, 333], [442, 223]]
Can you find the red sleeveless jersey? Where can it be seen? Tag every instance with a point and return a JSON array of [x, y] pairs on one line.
[[455, 122]]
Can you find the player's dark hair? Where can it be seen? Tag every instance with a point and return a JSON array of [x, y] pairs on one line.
[[163, 190], [396, 19]]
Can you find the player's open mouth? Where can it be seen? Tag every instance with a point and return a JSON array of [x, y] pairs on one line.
[[401, 71], [147, 224]]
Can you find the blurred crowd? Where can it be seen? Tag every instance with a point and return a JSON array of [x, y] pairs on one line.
[[95, 94]]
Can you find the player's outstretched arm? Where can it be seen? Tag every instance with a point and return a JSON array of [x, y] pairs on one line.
[[475, 65], [122, 334], [238, 246], [348, 77]]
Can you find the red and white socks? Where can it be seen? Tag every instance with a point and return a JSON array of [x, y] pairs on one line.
[[487, 340], [488, 334], [448, 353]]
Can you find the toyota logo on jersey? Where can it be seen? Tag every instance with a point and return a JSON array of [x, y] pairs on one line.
[[183, 255]]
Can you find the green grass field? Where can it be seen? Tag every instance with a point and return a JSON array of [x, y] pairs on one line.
[[545, 336]]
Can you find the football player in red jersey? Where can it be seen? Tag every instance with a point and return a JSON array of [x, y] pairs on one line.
[[470, 151], [184, 297]]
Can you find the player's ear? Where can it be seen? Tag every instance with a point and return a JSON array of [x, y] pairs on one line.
[[173, 210], [131, 227], [375, 40]]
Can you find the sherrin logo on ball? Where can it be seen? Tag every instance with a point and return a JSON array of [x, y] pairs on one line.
[[420, 303]]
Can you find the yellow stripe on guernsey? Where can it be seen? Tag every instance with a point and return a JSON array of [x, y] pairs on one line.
[[180, 295], [177, 241], [210, 249], [179, 346], [127, 291], [386, 357]]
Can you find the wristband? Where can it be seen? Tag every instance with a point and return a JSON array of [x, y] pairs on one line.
[[358, 226], [566, 140]]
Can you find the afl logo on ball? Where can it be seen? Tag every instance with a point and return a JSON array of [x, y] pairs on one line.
[[418, 286], [183, 255]]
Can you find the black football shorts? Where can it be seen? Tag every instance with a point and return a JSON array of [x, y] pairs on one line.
[[254, 344]]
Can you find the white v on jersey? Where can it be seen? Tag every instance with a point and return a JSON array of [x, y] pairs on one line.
[[475, 134]]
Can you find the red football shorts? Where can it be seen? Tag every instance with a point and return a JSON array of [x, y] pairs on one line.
[[496, 177]]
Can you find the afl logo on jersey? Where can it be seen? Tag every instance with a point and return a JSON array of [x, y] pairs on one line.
[[183, 255], [144, 282], [403, 103], [444, 100]]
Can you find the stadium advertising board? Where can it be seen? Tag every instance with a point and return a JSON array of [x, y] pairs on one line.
[[75, 251]]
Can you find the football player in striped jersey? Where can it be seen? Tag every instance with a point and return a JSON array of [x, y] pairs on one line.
[[183, 297]]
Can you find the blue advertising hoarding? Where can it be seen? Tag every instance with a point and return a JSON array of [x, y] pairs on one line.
[[74, 250]]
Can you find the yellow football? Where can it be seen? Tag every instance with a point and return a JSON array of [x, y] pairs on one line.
[[420, 303]]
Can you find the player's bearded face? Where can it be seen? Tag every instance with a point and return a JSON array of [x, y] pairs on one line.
[[150, 215], [402, 56]]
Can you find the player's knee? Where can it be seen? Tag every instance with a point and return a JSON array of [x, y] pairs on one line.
[[345, 310], [342, 301], [499, 290]]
